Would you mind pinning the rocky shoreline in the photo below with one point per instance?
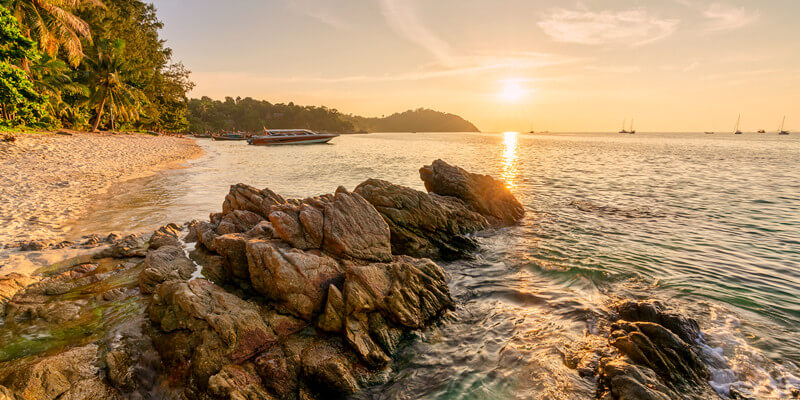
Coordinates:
(277, 298)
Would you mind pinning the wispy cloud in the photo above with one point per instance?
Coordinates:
(634, 27)
(403, 19)
(482, 65)
(320, 12)
(725, 17)
(681, 67)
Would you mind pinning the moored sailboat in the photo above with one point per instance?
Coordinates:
(737, 131)
(782, 131)
(623, 127)
(632, 131)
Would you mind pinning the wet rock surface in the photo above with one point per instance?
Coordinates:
(642, 354)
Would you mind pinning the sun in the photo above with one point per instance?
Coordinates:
(512, 91)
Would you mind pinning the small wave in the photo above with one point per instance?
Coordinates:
(587, 206)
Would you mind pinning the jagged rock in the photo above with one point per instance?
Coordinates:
(206, 327)
(120, 372)
(204, 232)
(237, 382)
(262, 230)
(382, 300)
(166, 235)
(653, 311)
(421, 224)
(72, 374)
(299, 225)
(297, 280)
(332, 318)
(238, 221)
(483, 193)
(654, 361)
(163, 264)
(248, 198)
(129, 246)
(354, 229)
(11, 284)
(232, 247)
(35, 245)
(327, 371)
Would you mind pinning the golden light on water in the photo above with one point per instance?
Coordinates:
(510, 157)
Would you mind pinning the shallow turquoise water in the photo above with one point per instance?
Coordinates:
(709, 224)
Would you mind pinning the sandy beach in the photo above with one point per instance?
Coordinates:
(48, 179)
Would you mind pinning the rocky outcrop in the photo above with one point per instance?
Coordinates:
(421, 224)
(381, 301)
(482, 193)
(238, 221)
(296, 280)
(247, 198)
(644, 355)
(204, 327)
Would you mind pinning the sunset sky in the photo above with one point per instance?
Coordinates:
(673, 65)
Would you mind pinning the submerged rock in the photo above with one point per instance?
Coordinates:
(11, 284)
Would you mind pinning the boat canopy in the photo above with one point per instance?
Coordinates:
(288, 132)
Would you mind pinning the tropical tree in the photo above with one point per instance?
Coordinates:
(53, 25)
(109, 75)
(20, 104)
(53, 77)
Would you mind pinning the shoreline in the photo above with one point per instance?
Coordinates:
(51, 181)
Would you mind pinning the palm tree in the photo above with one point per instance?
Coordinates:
(51, 77)
(51, 23)
(109, 74)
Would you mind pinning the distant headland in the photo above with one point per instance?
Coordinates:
(248, 114)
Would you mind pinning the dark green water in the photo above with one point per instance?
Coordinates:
(708, 224)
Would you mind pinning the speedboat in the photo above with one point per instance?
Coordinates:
(290, 136)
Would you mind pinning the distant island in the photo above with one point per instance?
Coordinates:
(248, 114)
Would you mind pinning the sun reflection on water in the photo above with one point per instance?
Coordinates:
(510, 158)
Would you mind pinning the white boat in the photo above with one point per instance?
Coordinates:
(290, 136)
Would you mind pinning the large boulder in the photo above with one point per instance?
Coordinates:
(381, 301)
(422, 224)
(204, 327)
(483, 193)
(166, 235)
(354, 229)
(296, 280)
(248, 198)
(232, 247)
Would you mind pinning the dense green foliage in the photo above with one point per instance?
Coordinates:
(20, 103)
(104, 65)
(419, 120)
(207, 115)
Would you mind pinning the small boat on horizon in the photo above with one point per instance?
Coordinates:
(762, 131)
(709, 133)
(737, 131)
(782, 131)
(632, 131)
(290, 136)
(623, 130)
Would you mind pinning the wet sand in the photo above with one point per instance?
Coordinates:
(48, 179)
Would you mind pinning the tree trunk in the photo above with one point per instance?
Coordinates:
(99, 114)
(113, 128)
